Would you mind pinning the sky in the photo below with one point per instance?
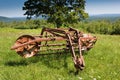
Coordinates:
(102, 7)
(13, 8)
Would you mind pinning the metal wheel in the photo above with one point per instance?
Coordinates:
(27, 50)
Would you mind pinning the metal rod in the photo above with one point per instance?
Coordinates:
(37, 40)
(52, 45)
(55, 30)
(71, 47)
(51, 49)
(56, 34)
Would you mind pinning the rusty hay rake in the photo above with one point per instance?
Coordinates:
(61, 39)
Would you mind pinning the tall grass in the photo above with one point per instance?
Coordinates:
(102, 62)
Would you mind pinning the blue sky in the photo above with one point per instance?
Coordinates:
(13, 8)
(103, 6)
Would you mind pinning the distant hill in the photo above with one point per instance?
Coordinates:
(7, 19)
(4, 18)
(111, 17)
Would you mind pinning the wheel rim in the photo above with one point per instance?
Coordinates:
(27, 50)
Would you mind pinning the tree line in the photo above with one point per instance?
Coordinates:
(99, 26)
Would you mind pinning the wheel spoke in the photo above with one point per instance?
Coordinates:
(28, 50)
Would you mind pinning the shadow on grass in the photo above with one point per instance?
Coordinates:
(54, 60)
(16, 63)
(51, 60)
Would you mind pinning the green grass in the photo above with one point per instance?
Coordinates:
(102, 61)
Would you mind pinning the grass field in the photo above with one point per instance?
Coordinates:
(102, 62)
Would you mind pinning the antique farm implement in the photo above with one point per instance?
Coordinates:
(59, 39)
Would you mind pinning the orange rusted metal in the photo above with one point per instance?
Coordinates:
(28, 46)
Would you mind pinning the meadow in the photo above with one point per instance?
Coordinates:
(102, 61)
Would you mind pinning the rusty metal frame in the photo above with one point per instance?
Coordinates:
(74, 39)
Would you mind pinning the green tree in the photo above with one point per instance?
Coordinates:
(56, 11)
(116, 27)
